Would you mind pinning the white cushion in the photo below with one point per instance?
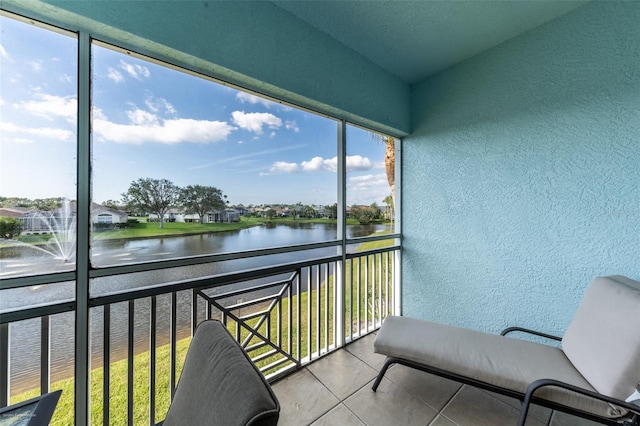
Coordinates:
(603, 340)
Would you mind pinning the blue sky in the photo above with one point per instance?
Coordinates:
(150, 121)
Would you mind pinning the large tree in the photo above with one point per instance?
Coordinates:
(201, 199)
(152, 195)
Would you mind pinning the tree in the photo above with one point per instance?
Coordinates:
(388, 200)
(111, 204)
(201, 199)
(309, 212)
(10, 227)
(365, 215)
(271, 213)
(333, 211)
(389, 160)
(152, 195)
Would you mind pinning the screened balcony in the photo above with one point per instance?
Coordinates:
(516, 181)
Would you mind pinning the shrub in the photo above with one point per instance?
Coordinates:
(10, 227)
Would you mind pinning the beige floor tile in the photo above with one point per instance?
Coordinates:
(473, 407)
(363, 349)
(303, 399)
(341, 416)
(564, 419)
(342, 373)
(442, 421)
(390, 405)
(537, 412)
(435, 391)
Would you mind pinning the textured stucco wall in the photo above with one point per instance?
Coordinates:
(521, 178)
(254, 44)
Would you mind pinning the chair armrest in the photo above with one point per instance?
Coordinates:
(534, 386)
(526, 330)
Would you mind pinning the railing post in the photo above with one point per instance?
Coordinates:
(5, 344)
(340, 277)
(45, 354)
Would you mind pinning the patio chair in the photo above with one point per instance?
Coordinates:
(219, 384)
(596, 368)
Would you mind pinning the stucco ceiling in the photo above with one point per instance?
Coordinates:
(415, 39)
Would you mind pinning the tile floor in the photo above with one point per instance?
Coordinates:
(336, 390)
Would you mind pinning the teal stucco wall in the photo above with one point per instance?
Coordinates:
(521, 178)
(253, 44)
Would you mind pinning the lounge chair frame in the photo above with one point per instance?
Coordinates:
(528, 397)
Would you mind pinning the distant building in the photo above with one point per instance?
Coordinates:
(14, 211)
(45, 222)
(102, 214)
(174, 215)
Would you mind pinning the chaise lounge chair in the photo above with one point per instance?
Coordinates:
(219, 384)
(596, 368)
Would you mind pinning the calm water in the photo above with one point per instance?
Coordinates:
(25, 336)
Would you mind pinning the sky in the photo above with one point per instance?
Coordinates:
(151, 121)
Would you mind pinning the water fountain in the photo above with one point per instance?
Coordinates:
(60, 227)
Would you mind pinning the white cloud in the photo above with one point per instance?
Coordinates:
(115, 75)
(316, 163)
(158, 104)
(291, 125)
(373, 183)
(249, 98)
(146, 127)
(4, 53)
(134, 70)
(255, 121)
(357, 162)
(366, 189)
(66, 78)
(140, 117)
(42, 132)
(251, 154)
(51, 106)
(283, 166)
(354, 163)
(36, 65)
(368, 180)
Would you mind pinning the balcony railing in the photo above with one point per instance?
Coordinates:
(285, 316)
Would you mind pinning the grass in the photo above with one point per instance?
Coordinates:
(145, 229)
(152, 229)
(355, 288)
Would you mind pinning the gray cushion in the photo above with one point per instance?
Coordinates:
(603, 340)
(219, 385)
(497, 360)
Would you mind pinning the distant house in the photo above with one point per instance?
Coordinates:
(102, 214)
(192, 218)
(241, 209)
(228, 215)
(47, 222)
(14, 211)
(172, 215)
(282, 212)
